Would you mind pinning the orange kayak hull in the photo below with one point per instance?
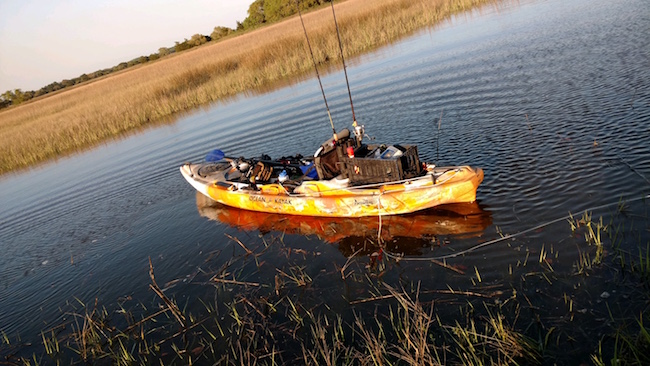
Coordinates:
(328, 199)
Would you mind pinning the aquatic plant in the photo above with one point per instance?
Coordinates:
(248, 311)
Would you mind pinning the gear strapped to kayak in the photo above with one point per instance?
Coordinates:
(344, 178)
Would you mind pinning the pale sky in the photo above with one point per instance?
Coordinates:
(42, 41)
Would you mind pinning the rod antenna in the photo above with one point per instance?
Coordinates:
(338, 34)
(317, 74)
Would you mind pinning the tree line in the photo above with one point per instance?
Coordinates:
(260, 12)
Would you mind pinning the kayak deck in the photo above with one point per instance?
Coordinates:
(336, 197)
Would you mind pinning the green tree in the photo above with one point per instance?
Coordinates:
(178, 47)
(120, 66)
(197, 40)
(266, 11)
(163, 51)
(4, 103)
(275, 10)
(15, 97)
(18, 97)
(28, 95)
(220, 32)
(9, 95)
(56, 86)
(255, 15)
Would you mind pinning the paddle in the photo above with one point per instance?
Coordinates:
(217, 155)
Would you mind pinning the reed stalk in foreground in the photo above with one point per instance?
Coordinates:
(144, 95)
(245, 316)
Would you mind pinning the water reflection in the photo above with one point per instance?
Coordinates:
(406, 234)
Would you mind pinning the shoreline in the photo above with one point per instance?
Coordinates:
(102, 110)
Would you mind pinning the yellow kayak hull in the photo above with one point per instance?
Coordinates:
(329, 199)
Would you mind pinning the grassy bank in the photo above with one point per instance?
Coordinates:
(68, 121)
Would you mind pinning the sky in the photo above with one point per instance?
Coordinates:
(42, 41)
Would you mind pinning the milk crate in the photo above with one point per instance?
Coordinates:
(365, 168)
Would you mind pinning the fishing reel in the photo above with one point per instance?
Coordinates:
(240, 164)
(359, 131)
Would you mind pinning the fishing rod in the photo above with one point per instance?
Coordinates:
(438, 137)
(317, 74)
(338, 34)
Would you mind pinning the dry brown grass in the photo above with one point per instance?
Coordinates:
(109, 107)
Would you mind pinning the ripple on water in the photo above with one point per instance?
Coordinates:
(554, 108)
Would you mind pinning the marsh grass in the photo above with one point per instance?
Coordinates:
(632, 346)
(248, 310)
(593, 232)
(148, 94)
(254, 325)
(496, 343)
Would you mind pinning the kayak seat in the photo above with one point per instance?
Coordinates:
(326, 158)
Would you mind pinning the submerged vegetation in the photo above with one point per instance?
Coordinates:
(146, 94)
(240, 309)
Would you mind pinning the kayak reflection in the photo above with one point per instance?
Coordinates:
(406, 234)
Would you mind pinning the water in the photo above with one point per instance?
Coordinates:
(550, 98)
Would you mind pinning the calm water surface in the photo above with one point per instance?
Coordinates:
(550, 98)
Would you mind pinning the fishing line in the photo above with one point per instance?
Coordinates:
(510, 236)
(633, 169)
(338, 34)
(317, 74)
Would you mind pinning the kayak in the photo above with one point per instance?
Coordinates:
(345, 178)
